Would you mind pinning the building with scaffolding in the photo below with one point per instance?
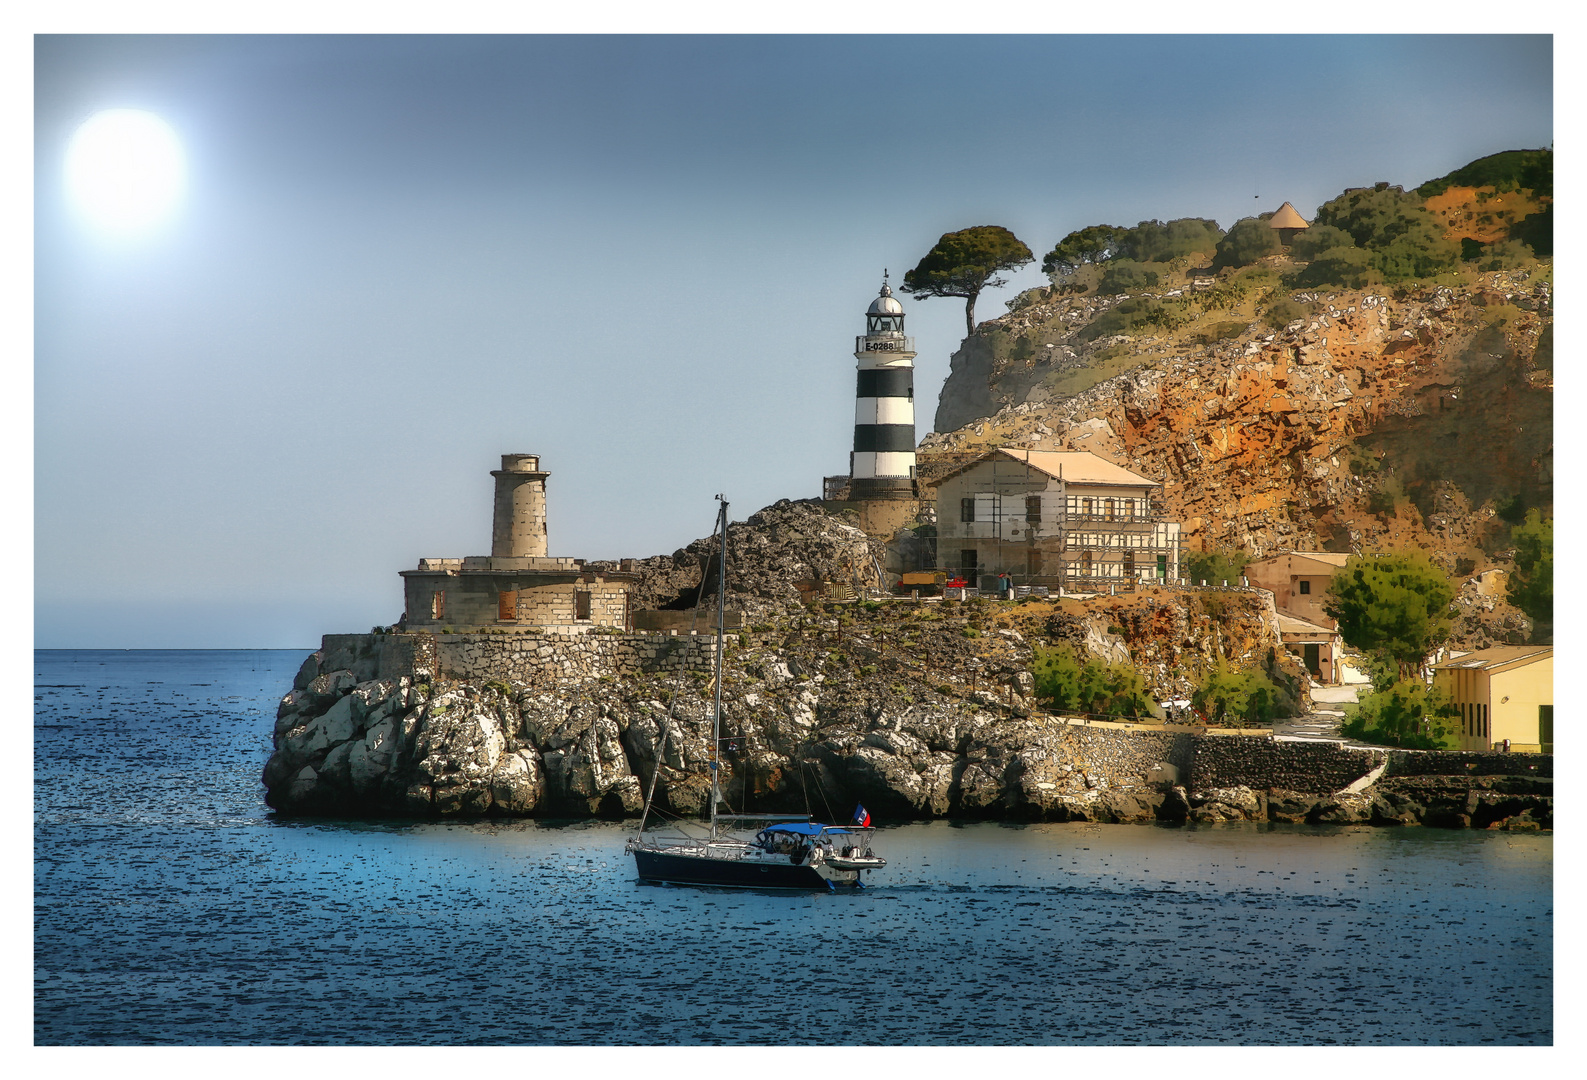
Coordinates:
(1064, 519)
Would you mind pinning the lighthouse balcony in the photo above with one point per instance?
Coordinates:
(884, 343)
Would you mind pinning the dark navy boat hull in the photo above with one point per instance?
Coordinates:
(733, 873)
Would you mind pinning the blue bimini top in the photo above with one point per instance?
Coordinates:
(799, 828)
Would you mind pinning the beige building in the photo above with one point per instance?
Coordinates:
(1298, 581)
(1068, 519)
(516, 587)
(1504, 692)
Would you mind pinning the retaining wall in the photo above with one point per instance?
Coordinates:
(527, 658)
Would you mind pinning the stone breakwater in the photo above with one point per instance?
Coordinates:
(474, 725)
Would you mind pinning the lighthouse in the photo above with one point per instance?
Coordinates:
(882, 465)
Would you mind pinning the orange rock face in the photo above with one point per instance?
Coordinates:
(1384, 420)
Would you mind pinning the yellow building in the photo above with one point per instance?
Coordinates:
(1506, 692)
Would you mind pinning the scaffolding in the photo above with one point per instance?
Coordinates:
(1082, 537)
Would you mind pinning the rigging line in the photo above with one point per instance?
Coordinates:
(672, 701)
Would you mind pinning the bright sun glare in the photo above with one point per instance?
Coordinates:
(125, 170)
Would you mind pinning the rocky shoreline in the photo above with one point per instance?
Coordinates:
(421, 746)
(919, 710)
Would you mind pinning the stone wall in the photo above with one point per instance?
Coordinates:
(526, 658)
(1226, 762)
(1128, 756)
(1467, 763)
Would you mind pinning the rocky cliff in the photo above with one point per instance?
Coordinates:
(916, 709)
(1381, 420)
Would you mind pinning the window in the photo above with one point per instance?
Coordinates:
(968, 562)
(1085, 563)
(1033, 509)
(507, 604)
(1033, 562)
(438, 604)
(581, 605)
(1305, 587)
(1129, 563)
(967, 509)
(1162, 568)
(1085, 507)
(1109, 504)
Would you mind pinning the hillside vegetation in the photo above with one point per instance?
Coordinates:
(1384, 382)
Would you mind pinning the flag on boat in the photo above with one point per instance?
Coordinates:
(862, 816)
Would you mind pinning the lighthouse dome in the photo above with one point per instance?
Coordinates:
(885, 304)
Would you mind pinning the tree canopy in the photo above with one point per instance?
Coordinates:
(1507, 171)
(1160, 241)
(1401, 236)
(1248, 240)
(965, 262)
(1396, 605)
(1531, 585)
(1092, 244)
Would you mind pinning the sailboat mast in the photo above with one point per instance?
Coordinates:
(716, 717)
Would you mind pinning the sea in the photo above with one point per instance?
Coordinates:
(173, 907)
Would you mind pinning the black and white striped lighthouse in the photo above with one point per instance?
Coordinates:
(882, 465)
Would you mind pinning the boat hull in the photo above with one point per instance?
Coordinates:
(734, 873)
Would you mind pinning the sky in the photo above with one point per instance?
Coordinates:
(644, 258)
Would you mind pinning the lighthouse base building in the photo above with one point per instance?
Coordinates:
(517, 587)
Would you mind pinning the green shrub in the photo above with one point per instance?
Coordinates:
(1318, 239)
(1066, 684)
(1284, 311)
(1223, 330)
(1505, 255)
(1215, 567)
(1248, 240)
(1402, 238)
(1406, 714)
(1126, 275)
(1233, 698)
(1347, 267)
(1133, 315)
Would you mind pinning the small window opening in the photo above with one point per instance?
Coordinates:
(581, 605)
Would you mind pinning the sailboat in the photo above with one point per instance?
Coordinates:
(789, 852)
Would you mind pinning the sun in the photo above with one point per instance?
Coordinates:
(125, 170)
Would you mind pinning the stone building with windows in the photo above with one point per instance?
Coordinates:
(517, 587)
(1066, 519)
(1298, 581)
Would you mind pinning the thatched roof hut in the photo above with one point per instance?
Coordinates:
(1288, 222)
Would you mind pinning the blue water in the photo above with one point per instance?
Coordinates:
(172, 907)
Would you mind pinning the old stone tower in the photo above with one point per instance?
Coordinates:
(517, 587)
(519, 526)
